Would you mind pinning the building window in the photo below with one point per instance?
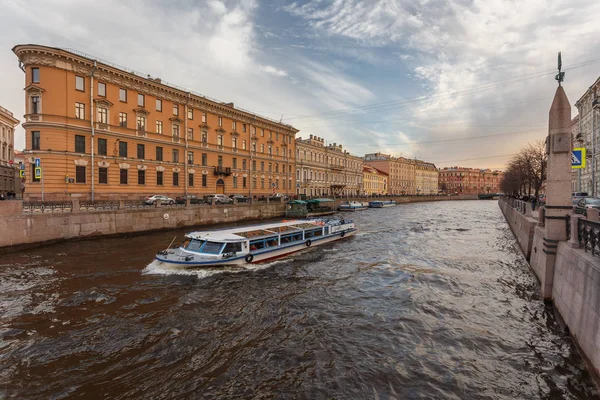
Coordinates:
(101, 89)
(234, 163)
(123, 119)
(244, 164)
(204, 183)
(158, 105)
(262, 148)
(175, 178)
(235, 182)
(220, 121)
(270, 135)
(35, 104)
(262, 132)
(175, 109)
(243, 127)
(141, 151)
(35, 75)
(123, 95)
(159, 153)
(262, 166)
(122, 149)
(234, 142)
(159, 178)
(204, 159)
(270, 167)
(141, 177)
(141, 100)
(103, 175)
(79, 144)
(219, 140)
(190, 135)
(141, 123)
(253, 183)
(175, 156)
(159, 127)
(102, 148)
(234, 125)
(79, 174)
(175, 130)
(190, 180)
(203, 117)
(244, 182)
(190, 113)
(253, 165)
(270, 150)
(254, 147)
(204, 137)
(190, 157)
(79, 110)
(244, 145)
(262, 183)
(35, 140)
(80, 83)
(102, 115)
(220, 161)
(123, 177)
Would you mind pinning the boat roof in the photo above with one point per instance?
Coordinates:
(237, 234)
(296, 202)
(323, 200)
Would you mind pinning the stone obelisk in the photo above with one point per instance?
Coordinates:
(558, 181)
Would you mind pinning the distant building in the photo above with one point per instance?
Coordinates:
(463, 180)
(104, 132)
(406, 176)
(588, 136)
(374, 181)
(326, 170)
(8, 173)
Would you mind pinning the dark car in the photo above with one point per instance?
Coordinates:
(584, 204)
(193, 199)
(239, 198)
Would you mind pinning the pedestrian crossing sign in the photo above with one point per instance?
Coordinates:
(22, 173)
(578, 158)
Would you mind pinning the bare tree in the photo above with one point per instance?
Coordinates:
(526, 171)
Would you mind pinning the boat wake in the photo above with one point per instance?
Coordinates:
(158, 268)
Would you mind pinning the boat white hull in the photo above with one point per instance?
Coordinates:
(258, 256)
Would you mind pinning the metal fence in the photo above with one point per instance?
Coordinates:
(588, 233)
(47, 206)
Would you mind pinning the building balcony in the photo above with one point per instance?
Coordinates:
(220, 170)
(336, 167)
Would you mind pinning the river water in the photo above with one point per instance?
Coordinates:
(429, 300)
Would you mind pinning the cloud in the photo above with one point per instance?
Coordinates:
(272, 70)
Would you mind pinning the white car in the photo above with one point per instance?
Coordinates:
(219, 199)
(163, 199)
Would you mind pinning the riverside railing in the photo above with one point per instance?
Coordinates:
(588, 233)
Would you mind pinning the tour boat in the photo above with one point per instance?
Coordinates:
(256, 243)
(382, 203)
(352, 206)
(310, 208)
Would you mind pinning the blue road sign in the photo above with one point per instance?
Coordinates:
(578, 158)
(37, 162)
(22, 167)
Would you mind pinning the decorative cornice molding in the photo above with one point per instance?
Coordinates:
(80, 163)
(124, 166)
(103, 164)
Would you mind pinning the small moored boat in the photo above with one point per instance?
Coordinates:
(382, 203)
(310, 208)
(238, 246)
(352, 206)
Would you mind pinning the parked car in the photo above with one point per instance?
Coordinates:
(239, 198)
(285, 197)
(193, 199)
(578, 196)
(156, 197)
(219, 199)
(586, 203)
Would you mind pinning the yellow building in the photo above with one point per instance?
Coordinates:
(8, 179)
(426, 177)
(375, 182)
(102, 132)
(326, 170)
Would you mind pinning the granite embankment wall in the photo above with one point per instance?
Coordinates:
(18, 229)
(573, 284)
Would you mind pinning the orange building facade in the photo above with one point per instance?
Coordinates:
(101, 132)
(469, 180)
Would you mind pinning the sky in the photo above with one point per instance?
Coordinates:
(453, 82)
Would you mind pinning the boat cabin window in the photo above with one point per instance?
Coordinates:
(212, 248)
(195, 245)
(232, 247)
(327, 230)
(185, 243)
(257, 244)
